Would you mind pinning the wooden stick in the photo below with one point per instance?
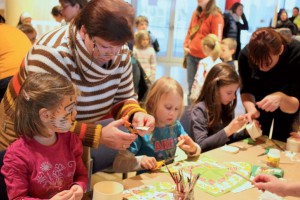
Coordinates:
(244, 177)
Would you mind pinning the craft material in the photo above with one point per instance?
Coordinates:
(253, 130)
(180, 142)
(184, 185)
(230, 149)
(244, 177)
(273, 158)
(133, 130)
(271, 130)
(293, 144)
(276, 145)
(265, 153)
(256, 170)
(159, 164)
(142, 128)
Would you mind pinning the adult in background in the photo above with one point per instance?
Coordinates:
(70, 8)
(284, 22)
(238, 14)
(57, 15)
(269, 70)
(295, 14)
(14, 46)
(29, 31)
(91, 53)
(206, 19)
(25, 18)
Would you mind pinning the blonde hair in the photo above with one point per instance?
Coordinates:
(210, 41)
(162, 86)
(230, 43)
(40, 90)
(139, 36)
(139, 19)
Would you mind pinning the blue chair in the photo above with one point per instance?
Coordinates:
(185, 119)
(3, 192)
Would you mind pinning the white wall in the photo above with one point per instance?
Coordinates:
(40, 11)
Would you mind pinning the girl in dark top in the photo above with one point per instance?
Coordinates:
(269, 70)
(212, 118)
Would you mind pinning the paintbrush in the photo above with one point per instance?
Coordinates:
(244, 177)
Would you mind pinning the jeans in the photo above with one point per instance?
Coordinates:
(192, 64)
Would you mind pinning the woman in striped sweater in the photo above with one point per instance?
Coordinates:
(90, 52)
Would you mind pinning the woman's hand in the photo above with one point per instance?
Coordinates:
(270, 183)
(148, 162)
(143, 119)
(253, 114)
(271, 102)
(114, 138)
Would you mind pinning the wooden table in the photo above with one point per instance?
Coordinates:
(247, 153)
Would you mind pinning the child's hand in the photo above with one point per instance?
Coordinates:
(188, 145)
(236, 124)
(77, 191)
(64, 195)
(295, 134)
(254, 114)
(148, 162)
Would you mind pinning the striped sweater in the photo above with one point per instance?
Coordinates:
(104, 89)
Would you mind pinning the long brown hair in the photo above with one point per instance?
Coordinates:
(211, 8)
(111, 20)
(40, 90)
(220, 75)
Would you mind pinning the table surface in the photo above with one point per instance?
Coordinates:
(247, 153)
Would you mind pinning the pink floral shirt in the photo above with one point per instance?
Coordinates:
(35, 171)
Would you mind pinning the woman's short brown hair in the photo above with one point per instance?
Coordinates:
(111, 20)
(40, 90)
(264, 43)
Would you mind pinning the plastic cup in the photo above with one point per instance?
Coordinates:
(273, 158)
(108, 190)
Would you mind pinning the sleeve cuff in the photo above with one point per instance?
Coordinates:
(197, 153)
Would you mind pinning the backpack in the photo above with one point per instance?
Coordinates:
(230, 27)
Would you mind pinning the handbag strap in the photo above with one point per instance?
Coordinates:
(195, 29)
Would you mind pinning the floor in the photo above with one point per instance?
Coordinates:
(178, 73)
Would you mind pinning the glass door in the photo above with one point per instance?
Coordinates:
(168, 22)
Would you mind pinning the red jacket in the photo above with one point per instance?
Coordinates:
(213, 24)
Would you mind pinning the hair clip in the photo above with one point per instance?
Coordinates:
(26, 96)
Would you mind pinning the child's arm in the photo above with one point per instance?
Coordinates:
(191, 148)
(125, 161)
(80, 176)
(15, 170)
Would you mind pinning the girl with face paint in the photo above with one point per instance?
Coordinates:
(45, 162)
